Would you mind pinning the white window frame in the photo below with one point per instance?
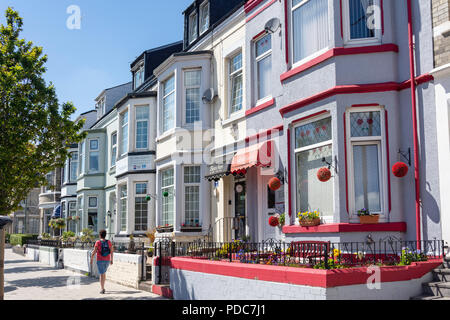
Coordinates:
(123, 128)
(81, 157)
(162, 128)
(232, 75)
(89, 202)
(144, 197)
(163, 188)
(139, 74)
(203, 7)
(80, 207)
(382, 160)
(258, 59)
(291, 37)
(98, 154)
(185, 88)
(346, 27)
(114, 146)
(136, 126)
(327, 219)
(192, 184)
(193, 18)
(71, 162)
(123, 218)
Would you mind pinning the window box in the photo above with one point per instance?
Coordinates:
(373, 219)
(164, 229)
(191, 229)
(310, 223)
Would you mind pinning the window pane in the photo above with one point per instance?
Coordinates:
(142, 134)
(310, 28)
(361, 19)
(264, 76)
(365, 124)
(263, 45)
(192, 78)
(141, 188)
(93, 144)
(141, 113)
(169, 86)
(204, 18)
(141, 214)
(236, 63)
(123, 208)
(192, 105)
(236, 94)
(366, 172)
(168, 112)
(167, 177)
(73, 167)
(93, 161)
(192, 205)
(192, 175)
(313, 133)
(92, 202)
(167, 181)
(313, 194)
(192, 27)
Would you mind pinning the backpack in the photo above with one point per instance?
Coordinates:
(105, 251)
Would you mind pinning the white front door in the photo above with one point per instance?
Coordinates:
(267, 208)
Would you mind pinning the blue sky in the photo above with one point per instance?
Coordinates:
(81, 63)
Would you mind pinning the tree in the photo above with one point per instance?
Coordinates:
(36, 131)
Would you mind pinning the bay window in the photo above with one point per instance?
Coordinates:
(263, 54)
(192, 180)
(167, 186)
(236, 83)
(313, 143)
(142, 117)
(168, 104)
(309, 27)
(123, 207)
(366, 160)
(93, 156)
(192, 83)
(140, 207)
(124, 133)
(362, 20)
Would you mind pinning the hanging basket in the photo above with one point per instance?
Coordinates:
(400, 169)
(274, 184)
(274, 221)
(324, 174)
(310, 222)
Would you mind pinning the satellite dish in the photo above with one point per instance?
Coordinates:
(208, 96)
(272, 25)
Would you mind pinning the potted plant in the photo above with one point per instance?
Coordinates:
(165, 228)
(309, 219)
(365, 217)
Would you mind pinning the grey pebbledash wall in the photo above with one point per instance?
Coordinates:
(190, 285)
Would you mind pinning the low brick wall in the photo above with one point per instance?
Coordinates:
(32, 252)
(126, 268)
(201, 279)
(48, 256)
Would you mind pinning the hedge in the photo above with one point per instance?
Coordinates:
(7, 237)
(21, 239)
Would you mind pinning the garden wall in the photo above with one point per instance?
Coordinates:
(32, 252)
(126, 268)
(201, 279)
(48, 256)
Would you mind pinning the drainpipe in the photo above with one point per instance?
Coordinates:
(414, 120)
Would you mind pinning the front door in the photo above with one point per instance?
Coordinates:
(239, 210)
(267, 198)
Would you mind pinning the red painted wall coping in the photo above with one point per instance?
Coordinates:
(305, 276)
(347, 227)
(252, 4)
(335, 52)
(260, 107)
(162, 291)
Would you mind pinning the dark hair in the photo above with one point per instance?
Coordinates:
(102, 234)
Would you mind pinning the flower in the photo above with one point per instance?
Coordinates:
(274, 221)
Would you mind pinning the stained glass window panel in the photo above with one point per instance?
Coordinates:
(365, 124)
(313, 133)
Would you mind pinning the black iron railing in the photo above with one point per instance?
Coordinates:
(316, 254)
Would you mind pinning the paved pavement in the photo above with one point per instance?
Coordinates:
(30, 280)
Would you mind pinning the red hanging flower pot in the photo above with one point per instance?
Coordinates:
(274, 221)
(400, 169)
(324, 174)
(274, 184)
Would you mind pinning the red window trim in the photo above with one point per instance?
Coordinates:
(388, 159)
(252, 4)
(335, 52)
(267, 133)
(354, 89)
(289, 171)
(346, 164)
(310, 116)
(259, 35)
(286, 30)
(260, 107)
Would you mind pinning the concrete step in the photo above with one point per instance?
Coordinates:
(442, 275)
(438, 289)
(145, 286)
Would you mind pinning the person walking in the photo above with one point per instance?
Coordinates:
(105, 253)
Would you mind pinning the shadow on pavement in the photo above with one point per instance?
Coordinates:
(22, 269)
(17, 261)
(9, 289)
(49, 282)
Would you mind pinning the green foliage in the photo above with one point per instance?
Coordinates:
(57, 223)
(46, 236)
(36, 130)
(407, 257)
(87, 235)
(21, 239)
(67, 235)
(7, 235)
(282, 219)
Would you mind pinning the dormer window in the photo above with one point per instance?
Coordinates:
(193, 31)
(204, 17)
(138, 77)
